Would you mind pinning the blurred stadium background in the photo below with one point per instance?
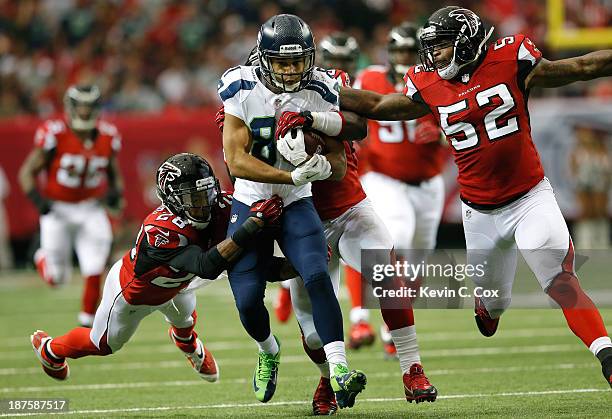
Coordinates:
(158, 63)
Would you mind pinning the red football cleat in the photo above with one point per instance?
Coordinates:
(324, 400)
(417, 387)
(53, 368)
(282, 305)
(361, 334)
(200, 359)
(41, 267)
(485, 323)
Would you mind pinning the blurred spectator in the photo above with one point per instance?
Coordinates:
(182, 47)
(591, 170)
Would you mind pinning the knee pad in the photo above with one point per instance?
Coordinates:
(312, 339)
(317, 278)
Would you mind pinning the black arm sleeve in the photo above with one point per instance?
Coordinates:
(206, 265)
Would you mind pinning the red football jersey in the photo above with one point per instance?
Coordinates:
(485, 118)
(394, 148)
(77, 170)
(146, 280)
(334, 198)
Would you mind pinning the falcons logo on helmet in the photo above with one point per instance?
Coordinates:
(469, 18)
(167, 173)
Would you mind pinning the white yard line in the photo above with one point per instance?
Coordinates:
(115, 386)
(303, 402)
(297, 359)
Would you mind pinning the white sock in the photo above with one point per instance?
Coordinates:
(269, 346)
(407, 347)
(599, 344)
(335, 354)
(359, 314)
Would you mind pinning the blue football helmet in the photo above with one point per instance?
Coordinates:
(286, 41)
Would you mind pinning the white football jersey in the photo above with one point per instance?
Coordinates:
(245, 96)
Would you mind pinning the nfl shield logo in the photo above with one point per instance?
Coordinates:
(234, 218)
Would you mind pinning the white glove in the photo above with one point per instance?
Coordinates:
(317, 168)
(292, 147)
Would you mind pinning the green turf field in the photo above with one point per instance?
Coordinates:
(533, 367)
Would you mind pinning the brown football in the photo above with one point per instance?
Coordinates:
(314, 143)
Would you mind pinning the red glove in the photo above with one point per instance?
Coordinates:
(220, 118)
(426, 132)
(290, 120)
(268, 210)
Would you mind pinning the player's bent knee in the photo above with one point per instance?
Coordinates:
(565, 290)
(313, 341)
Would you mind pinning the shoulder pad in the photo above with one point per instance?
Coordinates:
(45, 136)
(236, 79)
(163, 238)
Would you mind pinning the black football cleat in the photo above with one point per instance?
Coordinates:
(485, 323)
(605, 357)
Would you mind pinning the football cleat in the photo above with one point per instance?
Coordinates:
(266, 374)
(417, 386)
(389, 351)
(324, 400)
(282, 305)
(41, 267)
(485, 323)
(57, 369)
(361, 334)
(201, 360)
(605, 357)
(347, 385)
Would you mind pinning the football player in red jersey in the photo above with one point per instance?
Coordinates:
(79, 156)
(477, 91)
(182, 238)
(402, 160)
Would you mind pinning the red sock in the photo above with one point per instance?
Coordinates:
(353, 284)
(396, 318)
(581, 315)
(91, 294)
(186, 336)
(77, 344)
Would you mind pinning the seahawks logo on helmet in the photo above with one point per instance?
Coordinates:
(469, 18)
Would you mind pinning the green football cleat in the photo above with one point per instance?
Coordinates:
(347, 385)
(266, 373)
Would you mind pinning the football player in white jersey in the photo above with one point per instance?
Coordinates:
(254, 97)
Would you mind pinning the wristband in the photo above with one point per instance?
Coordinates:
(246, 234)
(329, 123)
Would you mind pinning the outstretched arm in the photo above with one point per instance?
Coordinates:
(391, 107)
(561, 72)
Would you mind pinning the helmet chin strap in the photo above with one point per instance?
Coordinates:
(451, 70)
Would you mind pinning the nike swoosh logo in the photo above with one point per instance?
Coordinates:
(290, 148)
(310, 177)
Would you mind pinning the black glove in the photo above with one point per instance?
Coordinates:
(42, 204)
(113, 199)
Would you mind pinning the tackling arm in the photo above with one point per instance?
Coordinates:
(236, 145)
(390, 107)
(561, 72)
(209, 264)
